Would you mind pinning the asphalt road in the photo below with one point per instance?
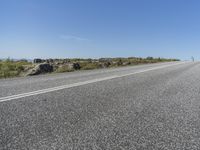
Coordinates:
(153, 107)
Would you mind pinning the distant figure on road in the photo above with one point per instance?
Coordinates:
(192, 58)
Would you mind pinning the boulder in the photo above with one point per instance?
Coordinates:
(74, 66)
(38, 60)
(105, 65)
(126, 63)
(49, 61)
(40, 68)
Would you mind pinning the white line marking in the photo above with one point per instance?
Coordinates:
(8, 98)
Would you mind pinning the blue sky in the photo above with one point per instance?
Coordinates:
(99, 28)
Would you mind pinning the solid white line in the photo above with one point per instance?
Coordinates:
(8, 98)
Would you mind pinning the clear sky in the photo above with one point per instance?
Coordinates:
(99, 28)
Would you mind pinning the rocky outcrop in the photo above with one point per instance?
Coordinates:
(49, 61)
(74, 66)
(105, 65)
(40, 68)
(38, 60)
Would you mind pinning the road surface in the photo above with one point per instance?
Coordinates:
(153, 107)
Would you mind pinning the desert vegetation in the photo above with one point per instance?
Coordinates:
(15, 68)
(11, 68)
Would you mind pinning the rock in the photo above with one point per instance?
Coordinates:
(49, 61)
(40, 68)
(38, 60)
(74, 66)
(119, 63)
(105, 65)
(126, 63)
